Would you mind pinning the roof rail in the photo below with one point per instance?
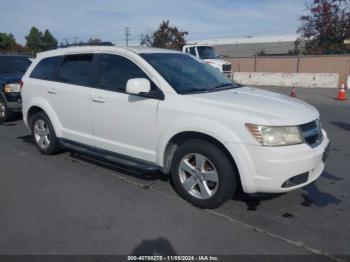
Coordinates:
(81, 44)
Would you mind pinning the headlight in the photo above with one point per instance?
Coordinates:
(276, 135)
(12, 88)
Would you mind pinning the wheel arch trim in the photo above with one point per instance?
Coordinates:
(46, 108)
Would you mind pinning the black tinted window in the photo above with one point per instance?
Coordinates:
(76, 69)
(192, 51)
(187, 74)
(115, 71)
(46, 68)
(11, 64)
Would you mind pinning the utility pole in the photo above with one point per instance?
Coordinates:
(127, 34)
(66, 40)
(75, 40)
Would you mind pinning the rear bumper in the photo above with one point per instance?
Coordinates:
(278, 169)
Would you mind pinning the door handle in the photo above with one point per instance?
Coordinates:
(52, 91)
(98, 100)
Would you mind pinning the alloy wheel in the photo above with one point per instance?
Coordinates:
(198, 176)
(42, 134)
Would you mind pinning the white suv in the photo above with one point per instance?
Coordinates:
(155, 109)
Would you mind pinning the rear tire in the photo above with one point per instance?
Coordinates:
(202, 174)
(6, 113)
(44, 135)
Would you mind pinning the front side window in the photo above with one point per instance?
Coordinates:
(76, 69)
(46, 68)
(115, 71)
(187, 74)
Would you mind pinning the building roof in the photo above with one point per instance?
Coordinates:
(250, 46)
(246, 40)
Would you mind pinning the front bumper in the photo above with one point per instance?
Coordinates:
(228, 74)
(268, 169)
(13, 101)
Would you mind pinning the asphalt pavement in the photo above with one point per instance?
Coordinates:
(70, 204)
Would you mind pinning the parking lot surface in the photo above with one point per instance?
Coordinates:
(70, 204)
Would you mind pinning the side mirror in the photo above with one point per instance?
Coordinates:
(137, 86)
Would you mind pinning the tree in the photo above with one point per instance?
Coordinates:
(34, 39)
(166, 36)
(38, 41)
(7, 42)
(261, 53)
(48, 40)
(326, 27)
(94, 41)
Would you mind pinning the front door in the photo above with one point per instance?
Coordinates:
(122, 123)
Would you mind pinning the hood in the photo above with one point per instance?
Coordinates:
(8, 78)
(257, 106)
(219, 62)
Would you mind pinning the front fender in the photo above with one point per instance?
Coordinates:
(194, 124)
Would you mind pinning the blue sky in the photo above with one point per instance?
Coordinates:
(106, 19)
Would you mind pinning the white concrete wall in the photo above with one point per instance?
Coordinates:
(307, 80)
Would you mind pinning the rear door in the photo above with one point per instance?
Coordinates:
(70, 94)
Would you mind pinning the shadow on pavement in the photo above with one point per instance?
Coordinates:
(27, 139)
(159, 246)
(254, 200)
(331, 177)
(316, 197)
(342, 125)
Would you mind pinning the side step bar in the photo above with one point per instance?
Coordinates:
(111, 157)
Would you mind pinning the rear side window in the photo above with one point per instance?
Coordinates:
(46, 68)
(115, 71)
(76, 69)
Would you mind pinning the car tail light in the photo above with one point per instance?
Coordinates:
(21, 84)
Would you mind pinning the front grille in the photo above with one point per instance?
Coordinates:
(226, 68)
(312, 133)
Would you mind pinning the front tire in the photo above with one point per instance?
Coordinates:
(44, 135)
(202, 174)
(5, 113)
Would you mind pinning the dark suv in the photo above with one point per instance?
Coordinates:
(12, 68)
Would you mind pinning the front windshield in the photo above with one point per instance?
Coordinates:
(14, 64)
(206, 52)
(187, 74)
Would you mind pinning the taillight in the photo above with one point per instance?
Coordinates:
(21, 84)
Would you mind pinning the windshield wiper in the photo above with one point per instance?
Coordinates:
(224, 86)
(208, 90)
(227, 86)
(195, 90)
